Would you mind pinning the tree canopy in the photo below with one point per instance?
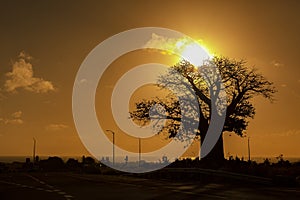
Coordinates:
(240, 82)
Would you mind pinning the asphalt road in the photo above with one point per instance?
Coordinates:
(69, 186)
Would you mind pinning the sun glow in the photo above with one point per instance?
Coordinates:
(185, 48)
(193, 51)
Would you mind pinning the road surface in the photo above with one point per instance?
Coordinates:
(68, 186)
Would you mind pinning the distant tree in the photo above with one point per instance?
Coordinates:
(89, 160)
(267, 162)
(282, 162)
(241, 84)
(52, 164)
(72, 164)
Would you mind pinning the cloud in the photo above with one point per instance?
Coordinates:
(161, 42)
(17, 114)
(283, 85)
(56, 127)
(24, 55)
(291, 132)
(22, 76)
(277, 64)
(14, 119)
(184, 47)
(286, 133)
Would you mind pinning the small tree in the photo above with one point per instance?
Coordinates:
(241, 84)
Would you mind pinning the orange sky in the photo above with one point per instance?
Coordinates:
(55, 37)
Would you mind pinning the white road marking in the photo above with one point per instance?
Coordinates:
(63, 193)
(59, 192)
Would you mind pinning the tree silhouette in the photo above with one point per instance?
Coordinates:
(241, 84)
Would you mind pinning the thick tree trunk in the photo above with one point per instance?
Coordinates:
(216, 155)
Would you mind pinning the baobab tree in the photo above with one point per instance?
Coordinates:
(241, 84)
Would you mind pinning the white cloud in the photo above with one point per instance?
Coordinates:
(291, 132)
(24, 55)
(14, 119)
(22, 76)
(285, 133)
(56, 127)
(184, 47)
(17, 114)
(283, 85)
(277, 64)
(161, 42)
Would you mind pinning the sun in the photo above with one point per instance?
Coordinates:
(193, 51)
(184, 48)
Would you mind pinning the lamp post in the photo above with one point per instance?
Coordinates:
(113, 134)
(249, 158)
(140, 149)
(199, 158)
(34, 146)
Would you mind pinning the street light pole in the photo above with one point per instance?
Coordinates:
(140, 149)
(199, 158)
(34, 146)
(249, 158)
(113, 134)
